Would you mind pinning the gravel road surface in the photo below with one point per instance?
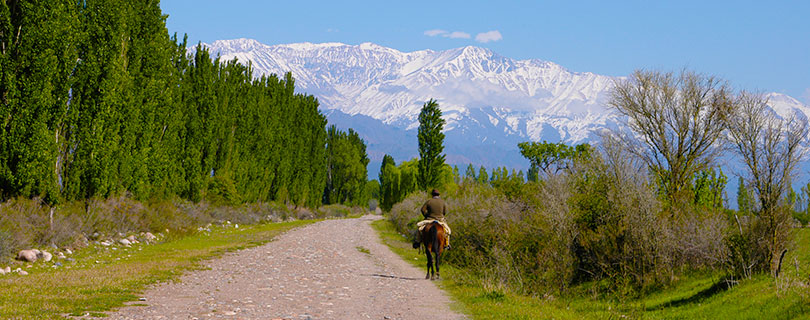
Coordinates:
(333, 269)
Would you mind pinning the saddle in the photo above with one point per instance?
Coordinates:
(422, 224)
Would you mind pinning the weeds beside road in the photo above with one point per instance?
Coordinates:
(102, 279)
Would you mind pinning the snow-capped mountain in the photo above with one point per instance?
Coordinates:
(490, 102)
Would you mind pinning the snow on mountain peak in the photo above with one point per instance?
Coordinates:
(486, 98)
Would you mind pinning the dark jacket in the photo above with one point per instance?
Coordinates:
(434, 209)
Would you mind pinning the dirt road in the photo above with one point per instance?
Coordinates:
(334, 269)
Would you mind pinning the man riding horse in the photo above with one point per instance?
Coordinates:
(433, 210)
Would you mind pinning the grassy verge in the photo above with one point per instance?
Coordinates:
(696, 296)
(103, 278)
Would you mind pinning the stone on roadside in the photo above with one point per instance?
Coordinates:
(60, 255)
(124, 242)
(68, 251)
(132, 239)
(23, 273)
(46, 256)
(27, 255)
(149, 236)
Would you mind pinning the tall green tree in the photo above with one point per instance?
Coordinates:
(431, 145)
(346, 167)
(38, 55)
(389, 182)
(469, 174)
(483, 177)
(709, 188)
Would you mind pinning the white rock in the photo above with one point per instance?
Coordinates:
(23, 273)
(7, 269)
(149, 236)
(68, 251)
(2, 271)
(106, 243)
(60, 255)
(132, 239)
(46, 256)
(27, 255)
(124, 242)
(236, 226)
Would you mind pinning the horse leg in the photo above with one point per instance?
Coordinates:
(429, 263)
(438, 260)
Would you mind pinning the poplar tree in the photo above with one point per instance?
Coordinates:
(483, 177)
(431, 145)
(469, 174)
(37, 58)
(388, 182)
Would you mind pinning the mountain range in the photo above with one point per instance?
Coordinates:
(490, 102)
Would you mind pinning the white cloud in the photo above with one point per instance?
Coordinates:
(435, 32)
(332, 30)
(457, 35)
(488, 36)
(447, 34)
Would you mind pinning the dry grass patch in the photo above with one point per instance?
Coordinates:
(102, 279)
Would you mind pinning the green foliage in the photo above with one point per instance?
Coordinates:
(431, 145)
(96, 100)
(483, 177)
(695, 295)
(346, 168)
(709, 188)
(222, 190)
(552, 157)
(469, 174)
(396, 182)
(745, 198)
(38, 55)
(802, 208)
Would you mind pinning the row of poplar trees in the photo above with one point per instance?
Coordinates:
(97, 99)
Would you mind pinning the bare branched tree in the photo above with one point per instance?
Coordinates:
(771, 148)
(677, 119)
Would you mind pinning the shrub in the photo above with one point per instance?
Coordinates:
(26, 223)
(598, 219)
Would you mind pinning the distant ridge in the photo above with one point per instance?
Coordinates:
(490, 102)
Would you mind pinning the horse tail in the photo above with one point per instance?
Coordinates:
(434, 234)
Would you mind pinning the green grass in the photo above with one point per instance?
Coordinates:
(695, 296)
(103, 279)
(363, 250)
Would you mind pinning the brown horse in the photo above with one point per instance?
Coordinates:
(432, 238)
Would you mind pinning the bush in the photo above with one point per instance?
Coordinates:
(802, 218)
(27, 223)
(600, 219)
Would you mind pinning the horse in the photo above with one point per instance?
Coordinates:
(432, 238)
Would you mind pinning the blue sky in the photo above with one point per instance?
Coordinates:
(756, 45)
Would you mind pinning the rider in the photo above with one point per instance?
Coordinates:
(434, 210)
